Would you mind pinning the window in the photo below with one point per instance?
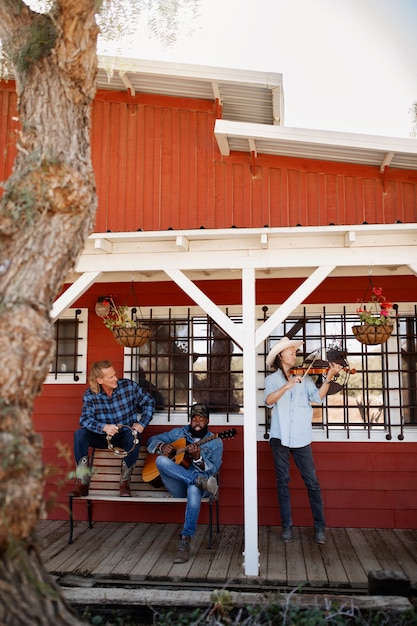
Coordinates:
(379, 394)
(70, 357)
(189, 359)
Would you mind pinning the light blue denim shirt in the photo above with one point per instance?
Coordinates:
(291, 416)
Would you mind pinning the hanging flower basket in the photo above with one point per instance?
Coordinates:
(372, 334)
(132, 337)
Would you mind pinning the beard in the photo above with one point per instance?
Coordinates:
(199, 434)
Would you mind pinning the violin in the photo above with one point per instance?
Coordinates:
(300, 371)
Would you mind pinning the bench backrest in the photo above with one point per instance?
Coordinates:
(107, 469)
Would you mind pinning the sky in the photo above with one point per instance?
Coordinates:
(347, 65)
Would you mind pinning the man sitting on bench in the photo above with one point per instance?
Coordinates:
(107, 404)
(194, 477)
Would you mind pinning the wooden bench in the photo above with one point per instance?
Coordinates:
(104, 487)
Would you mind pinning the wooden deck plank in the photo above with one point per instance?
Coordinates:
(63, 562)
(51, 544)
(202, 556)
(403, 552)
(296, 570)
(137, 543)
(220, 563)
(276, 573)
(356, 574)
(235, 572)
(363, 550)
(336, 573)
(48, 533)
(97, 549)
(386, 557)
(263, 546)
(315, 569)
(163, 534)
(116, 546)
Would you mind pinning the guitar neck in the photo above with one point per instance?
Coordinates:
(200, 443)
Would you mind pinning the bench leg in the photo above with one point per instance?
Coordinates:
(71, 520)
(210, 540)
(90, 513)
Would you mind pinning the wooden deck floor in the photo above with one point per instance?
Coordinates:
(139, 553)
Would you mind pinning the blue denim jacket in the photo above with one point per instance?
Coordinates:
(212, 451)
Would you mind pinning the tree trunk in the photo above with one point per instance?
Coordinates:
(46, 213)
(28, 595)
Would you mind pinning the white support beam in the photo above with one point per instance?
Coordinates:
(104, 245)
(73, 292)
(127, 82)
(413, 267)
(187, 285)
(251, 555)
(295, 299)
(387, 160)
(350, 238)
(182, 242)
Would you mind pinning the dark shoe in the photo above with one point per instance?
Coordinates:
(80, 489)
(320, 536)
(125, 489)
(183, 552)
(286, 536)
(207, 484)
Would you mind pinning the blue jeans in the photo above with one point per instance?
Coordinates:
(303, 458)
(84, 438)
(180, 483)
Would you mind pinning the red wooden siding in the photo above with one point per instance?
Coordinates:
(157, 166)
(363, 485)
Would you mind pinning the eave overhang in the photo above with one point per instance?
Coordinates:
(313, 144)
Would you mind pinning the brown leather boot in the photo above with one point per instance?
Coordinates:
(80, 489)
(125, 480)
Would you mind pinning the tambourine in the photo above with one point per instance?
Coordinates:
(120, 451)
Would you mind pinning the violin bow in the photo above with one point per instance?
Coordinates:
(311, 364)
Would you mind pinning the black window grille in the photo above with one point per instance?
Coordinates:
(189, 359)
(67, 341)
(381, 393)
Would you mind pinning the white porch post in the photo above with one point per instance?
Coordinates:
(250, 459)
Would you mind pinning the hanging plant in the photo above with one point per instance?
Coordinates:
(127, 331)
(377, 319)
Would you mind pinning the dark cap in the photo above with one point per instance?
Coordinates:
(199, 409)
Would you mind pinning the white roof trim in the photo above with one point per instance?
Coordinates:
(315, 144)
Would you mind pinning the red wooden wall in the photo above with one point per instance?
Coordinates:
(157, 166)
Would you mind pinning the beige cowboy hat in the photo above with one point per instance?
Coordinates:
(281, 345)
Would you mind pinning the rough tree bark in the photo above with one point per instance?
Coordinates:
(46, 213)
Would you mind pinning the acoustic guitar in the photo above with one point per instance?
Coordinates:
(150, 471)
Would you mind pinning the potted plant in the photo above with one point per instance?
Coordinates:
(127, 330)
(377, 319)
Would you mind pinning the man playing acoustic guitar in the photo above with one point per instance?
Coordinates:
(195, 476)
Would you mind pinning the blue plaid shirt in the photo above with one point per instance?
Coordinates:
(122, 407)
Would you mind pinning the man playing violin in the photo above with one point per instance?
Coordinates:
(289, 398)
